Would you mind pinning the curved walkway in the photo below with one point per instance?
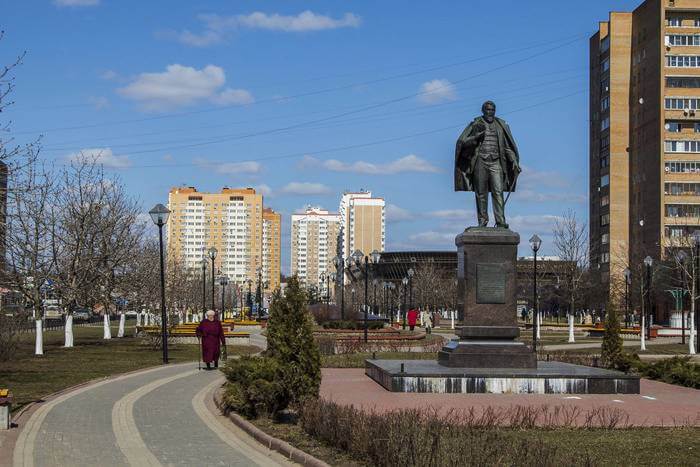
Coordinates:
(160, 416)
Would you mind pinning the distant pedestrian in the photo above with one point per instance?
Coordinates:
(412, 317)
(427, 321)
(212, 335)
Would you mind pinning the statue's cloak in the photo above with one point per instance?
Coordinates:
(466, 156)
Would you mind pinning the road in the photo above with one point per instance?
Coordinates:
(161, 416)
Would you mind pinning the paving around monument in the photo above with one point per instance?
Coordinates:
(457, 309)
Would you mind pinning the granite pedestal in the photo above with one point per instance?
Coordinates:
(427, 376)
(486, 290)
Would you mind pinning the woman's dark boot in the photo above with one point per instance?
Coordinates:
(208, 366)
(216, 364)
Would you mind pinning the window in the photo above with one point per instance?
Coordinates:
(687, 82)
(605, 65)
(696, 23)
(682, 146)
(682, 61)
(604, 200)
(605, 258)
(605, 85)
(605, 239)
(605, 104)
(683, 210)
(605, 142)
(682, 103)
(674, 22)
(683, 39)
(605, 44)
(683, 167)
(604, 219)
(605, 124)
(604, 180)
(682, 189)
(696, 127)
(673, 127)
(604, 161)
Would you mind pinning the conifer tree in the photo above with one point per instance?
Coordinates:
(290, 341)
(612, 355)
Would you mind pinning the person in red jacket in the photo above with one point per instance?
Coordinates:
(212, 334)
(412, 316)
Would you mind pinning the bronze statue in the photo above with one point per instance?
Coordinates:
(487, 161)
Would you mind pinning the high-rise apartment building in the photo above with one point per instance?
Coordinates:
(233, 221)
(644, 134)
(271, 248)
(314, 245)
(362, 225)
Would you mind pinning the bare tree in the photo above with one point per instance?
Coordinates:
(570, 244)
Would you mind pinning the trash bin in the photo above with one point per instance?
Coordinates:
(5, 409)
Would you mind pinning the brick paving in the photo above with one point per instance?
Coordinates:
(167, 409)
(659, 404)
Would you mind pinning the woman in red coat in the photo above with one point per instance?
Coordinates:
(412, 317)
(212, 334)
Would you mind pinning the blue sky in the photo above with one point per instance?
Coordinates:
(304, 100)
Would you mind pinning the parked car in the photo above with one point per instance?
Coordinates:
(81, 313)
(131, 313)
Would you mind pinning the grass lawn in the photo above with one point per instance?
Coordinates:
(31, 377)
(633, 446)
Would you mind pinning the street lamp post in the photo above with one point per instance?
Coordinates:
(628, 281)
(204, 285)
(160, 214)
(223, 280)
(535, 244)
(258, 291)
(340, 266)
(212, 255)
(357, 256)
(681, 256)
(375, 282)
(249, 300)
(411, 272)
(696, 285)
(648, 262)
(404, 281)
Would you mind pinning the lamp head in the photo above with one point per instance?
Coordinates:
(681, 256)
(628, 275)
(535, 243)
(159, 215)
(376, 256)
(212, 252)
(404, 281)
(696, 237)
(411, 272)
(357, 257)
(648, 261)
(337, 261)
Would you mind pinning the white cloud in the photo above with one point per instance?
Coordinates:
(234, 96)
(396, 214)
(100, 102)
(305, 188)
(216, 27)
(304, 21)
(264, 189)
(542, 223)
(536, 179)
(540, 197)
(432, 238)
(452, 214)
(410, 163)
(436, 91)
(103, 156)
(230, 168)
(76, 2)
(180, 86)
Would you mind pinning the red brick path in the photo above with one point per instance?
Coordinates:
(659, 404)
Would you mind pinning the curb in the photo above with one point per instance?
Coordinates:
(275, 444)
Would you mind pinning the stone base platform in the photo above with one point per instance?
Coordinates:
(427, 376)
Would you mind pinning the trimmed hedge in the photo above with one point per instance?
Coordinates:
(352, 325)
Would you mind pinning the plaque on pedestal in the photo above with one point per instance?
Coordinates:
(488, 330)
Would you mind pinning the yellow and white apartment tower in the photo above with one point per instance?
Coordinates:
(234, 221)
(644, 134)
(314, 245)
(362, 224)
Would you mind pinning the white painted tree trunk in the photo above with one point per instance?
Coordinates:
(643, 345)
(453, 319)
(146, 319)
(39, 347)
(68, 331)
(538, 318)
(691, 340)
(138, 319)
(179, 317)
(107, 331)
(571, 328)
(122, 322)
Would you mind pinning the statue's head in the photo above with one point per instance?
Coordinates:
(489, 111)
